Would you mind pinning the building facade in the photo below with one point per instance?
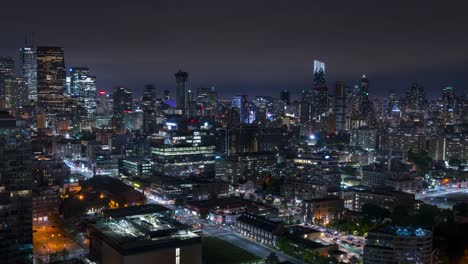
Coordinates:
(398, 245)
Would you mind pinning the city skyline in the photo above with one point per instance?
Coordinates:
(240, 49)
(210, 132)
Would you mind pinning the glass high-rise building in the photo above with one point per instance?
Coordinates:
(320, 90)
(182, 90)
(15, 192)
(7, 73)
(50, 79)
(16, 94)
(83, 86)
(29, 71)
(148, 105)
(122, 104)
(340, 106)
(242, 103)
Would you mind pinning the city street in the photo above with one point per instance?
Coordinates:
(49, 240)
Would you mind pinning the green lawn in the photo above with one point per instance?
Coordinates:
(216, 251)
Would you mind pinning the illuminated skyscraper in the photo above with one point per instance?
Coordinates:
(340, 106)
(122, 105)
(363, 97)
(29, 71)
(182, 90)
(50, 79)
(241, 102)
(16, 94)
(415, 97)
(320, 90)
(206, 100)
(148, 105)
(7, 73)
(83, 86)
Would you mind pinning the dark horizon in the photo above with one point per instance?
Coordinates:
(253, 48)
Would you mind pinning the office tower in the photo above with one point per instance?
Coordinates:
(306, 110)
(50, 79)
(15, 192)
(320, 90)
(241, 102)
(29, 71)
(340, 106)
(449, 104)
(83, 87)
(148, 100)
(448, 98)
(398, 245)
(415, 97)
(67, 88)
(7, 72)
(148, 105)
(122, 105)
(285, 96)
(234, 117)
(207, 99)
(260, 115)
(183, 154)
(181, 91)
(363, 97)
(167, 95)
(16, 94)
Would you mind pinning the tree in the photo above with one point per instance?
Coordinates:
(354, 260)
(455, 162)
(375, 212)
(422, 160)
(272, 259)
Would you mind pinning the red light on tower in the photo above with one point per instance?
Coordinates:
(102, 92)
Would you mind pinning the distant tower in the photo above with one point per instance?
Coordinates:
(340, 106)
(50, 79)
(363, 97)
(181, 91)
(320, 90)
(148, 105)
(7, 73)
(83, 86)
(167, 95)
(285, 96)
(415, 97)
(16, 94)
(29, 71)
(122, 104)
(241, 102)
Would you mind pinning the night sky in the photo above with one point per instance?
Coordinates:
(253, 47)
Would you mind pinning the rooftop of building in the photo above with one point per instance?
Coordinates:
(324, 199)
(220, 203)
(135, 210)
(402, 231)
(258, 222)
(377, 190)
(140, 229)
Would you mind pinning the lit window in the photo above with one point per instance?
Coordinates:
(177, 256)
